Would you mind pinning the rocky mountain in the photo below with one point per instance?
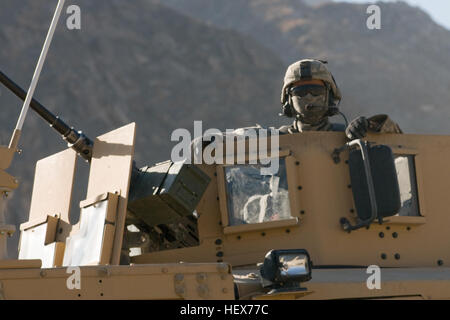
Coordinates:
(131, 61)
(166, 63)
(402, 69)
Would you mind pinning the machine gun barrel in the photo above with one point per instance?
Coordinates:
(75, 139)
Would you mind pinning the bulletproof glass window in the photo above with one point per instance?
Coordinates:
(406, 174)
(256, 198)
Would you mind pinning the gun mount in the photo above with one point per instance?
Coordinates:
(172, 189)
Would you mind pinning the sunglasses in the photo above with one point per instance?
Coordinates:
(313, 89)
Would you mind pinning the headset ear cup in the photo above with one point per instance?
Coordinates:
(287, 110)
(332, 108)
(331, 99)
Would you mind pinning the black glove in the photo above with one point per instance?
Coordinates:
(357, 129)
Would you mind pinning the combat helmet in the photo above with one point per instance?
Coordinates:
(309, 69)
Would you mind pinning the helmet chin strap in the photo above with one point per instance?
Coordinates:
(302, 127)
(300, 119)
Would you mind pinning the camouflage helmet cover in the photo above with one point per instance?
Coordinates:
(317, 71)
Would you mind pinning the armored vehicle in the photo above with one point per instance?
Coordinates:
(335, 220)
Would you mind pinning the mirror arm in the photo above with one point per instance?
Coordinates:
(363, 145)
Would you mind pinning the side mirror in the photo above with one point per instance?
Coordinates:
(374, 182)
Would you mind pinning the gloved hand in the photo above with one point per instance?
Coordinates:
(357, 129)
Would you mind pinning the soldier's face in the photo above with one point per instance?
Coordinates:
(309, 99)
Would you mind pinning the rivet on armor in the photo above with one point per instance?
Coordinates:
(179, 290)
(104, 272)
(201, 277)
(223, 268)
(179, 277)
(203, 291)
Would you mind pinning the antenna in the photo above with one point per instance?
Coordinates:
(16, 135)
(75, 139)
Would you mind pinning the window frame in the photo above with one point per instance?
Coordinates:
(292, 181)
(421, 218)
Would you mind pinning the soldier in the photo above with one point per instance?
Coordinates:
(310, 95)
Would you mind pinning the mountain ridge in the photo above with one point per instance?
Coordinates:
(131, 61)
(375, 69)
(165, 64)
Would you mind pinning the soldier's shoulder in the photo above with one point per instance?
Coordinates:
(286, 129)
(340, 127)
(384, 124)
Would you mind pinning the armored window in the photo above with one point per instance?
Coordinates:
(256, 198)
(406, 175)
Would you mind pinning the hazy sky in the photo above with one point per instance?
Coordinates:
(438, 9)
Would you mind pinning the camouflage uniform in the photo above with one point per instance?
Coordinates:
(380, 123)
(297, 126)
(309, 69)
(383, 124)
